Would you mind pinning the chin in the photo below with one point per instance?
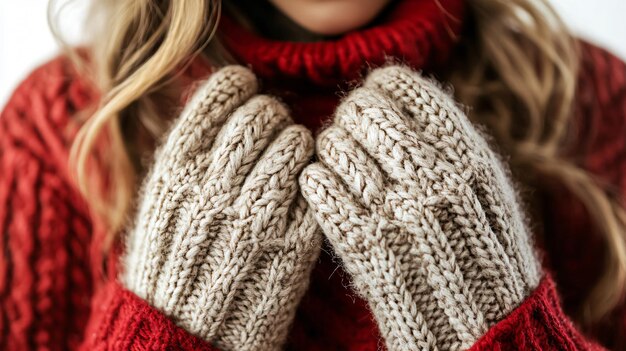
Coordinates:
(331, 17)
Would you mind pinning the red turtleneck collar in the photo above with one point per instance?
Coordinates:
(420, 33)
(309, 76)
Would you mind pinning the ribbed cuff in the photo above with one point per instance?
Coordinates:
(537, 324)
(122, 321)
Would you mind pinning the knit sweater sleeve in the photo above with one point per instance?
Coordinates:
(45, 279)
(48, 298)
(123, 321)
(538, 323)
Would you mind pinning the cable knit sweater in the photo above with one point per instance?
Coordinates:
(54, 294)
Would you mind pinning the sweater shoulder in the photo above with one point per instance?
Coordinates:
(600, 113)
(601, 79)
(41, 116)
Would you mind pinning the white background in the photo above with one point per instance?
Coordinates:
(25, 39)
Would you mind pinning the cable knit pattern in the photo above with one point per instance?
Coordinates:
(222, 243)
(421, 213)
(51, 296)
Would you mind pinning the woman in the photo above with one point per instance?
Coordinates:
(421, 217)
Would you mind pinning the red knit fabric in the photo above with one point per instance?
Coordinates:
(538, 324)
(51, 295)
(123, 321)
(418, 32)
(45, 228)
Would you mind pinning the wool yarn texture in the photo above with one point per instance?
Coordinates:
(223, 242)
(421, 212)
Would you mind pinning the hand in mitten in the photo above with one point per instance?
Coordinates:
(421, 213)
(223, 243)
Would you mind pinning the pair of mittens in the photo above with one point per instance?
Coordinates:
(421, 213)
(223, 242)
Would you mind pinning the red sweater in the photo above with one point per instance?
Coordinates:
(53, 294)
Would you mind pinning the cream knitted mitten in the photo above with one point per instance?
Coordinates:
(421, 212)
(223, 243)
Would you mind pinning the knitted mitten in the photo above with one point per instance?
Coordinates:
(223, 243)
(422, 214)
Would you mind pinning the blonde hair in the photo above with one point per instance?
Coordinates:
(516, 68)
